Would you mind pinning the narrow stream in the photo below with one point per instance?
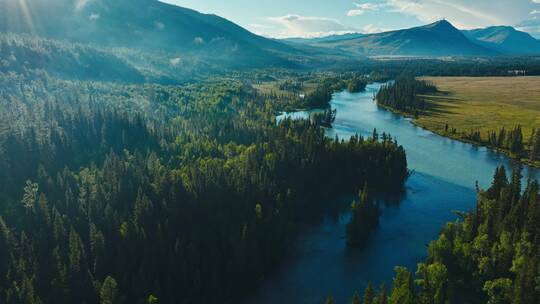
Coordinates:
(445, 173)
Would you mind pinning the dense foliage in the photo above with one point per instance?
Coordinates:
(365, 215)
(534, 154)
(329, 84)
(490, 256)
(325, 118)
(357, 84)
(116, 193)
(404, 94)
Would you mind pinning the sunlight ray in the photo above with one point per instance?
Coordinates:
(26, 14)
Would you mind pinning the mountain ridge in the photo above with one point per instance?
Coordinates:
(490, 41)
(436, 39)
(505, 39)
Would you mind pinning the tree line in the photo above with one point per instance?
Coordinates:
(511, 140)
(327, 85)
(405, 94)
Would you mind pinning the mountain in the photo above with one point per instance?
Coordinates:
(505, 39)
(437, 39)
(147, 25)
(331, 38)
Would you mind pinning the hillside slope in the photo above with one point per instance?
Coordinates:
(505, 39)
(147, 25)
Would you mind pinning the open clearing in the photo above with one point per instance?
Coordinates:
(483, 103)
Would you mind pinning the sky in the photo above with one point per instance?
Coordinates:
(315, 18)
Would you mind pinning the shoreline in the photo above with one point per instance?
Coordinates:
(414, 122)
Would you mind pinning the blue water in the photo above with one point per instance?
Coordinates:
(445, 173)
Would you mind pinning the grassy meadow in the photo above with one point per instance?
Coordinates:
(483, 103)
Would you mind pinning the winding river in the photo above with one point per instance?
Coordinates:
(445, 173)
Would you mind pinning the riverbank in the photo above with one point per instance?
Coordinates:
(459, 137)
(466, 108)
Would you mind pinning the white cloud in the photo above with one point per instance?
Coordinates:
(373, 29)
(362, 8)
(355, 12)
(535, 12)
(531, 25)
(306, 26)
(198, 40)
(81, 4)
(93, 17)
(175, 61)
(159, 25)
(465, 13)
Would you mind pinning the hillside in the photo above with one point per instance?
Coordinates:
(331, 38)
(505, 39)
(157, 27)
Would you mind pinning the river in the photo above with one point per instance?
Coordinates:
(445, 173)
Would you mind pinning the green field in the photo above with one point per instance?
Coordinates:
(483, 103)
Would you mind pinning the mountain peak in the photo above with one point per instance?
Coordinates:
(441, 25)
(440, 38)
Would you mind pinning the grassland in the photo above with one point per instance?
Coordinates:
(482, 104)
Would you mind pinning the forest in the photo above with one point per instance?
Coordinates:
(127, 193)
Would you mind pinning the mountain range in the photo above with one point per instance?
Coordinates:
(437, 39)
(151, 40)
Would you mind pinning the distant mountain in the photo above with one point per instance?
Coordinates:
(505, 39)
(331, 38)
(147, 25)
(437, 39)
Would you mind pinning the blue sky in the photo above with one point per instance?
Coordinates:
(310, 18)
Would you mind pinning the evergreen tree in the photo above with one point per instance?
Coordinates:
(403, 289)
(356, 299)
(535, 146)
(382, 297)
(109, 293)
(369, 294)
(365, 215)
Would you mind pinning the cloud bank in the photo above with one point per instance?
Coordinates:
(304, 26)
